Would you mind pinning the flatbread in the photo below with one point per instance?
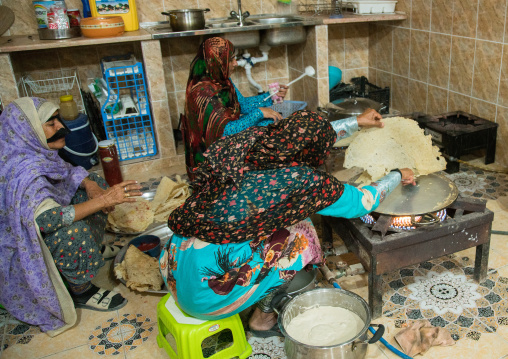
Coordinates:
(169, 196)
(140, 271)
(131, 217)
(401, 143)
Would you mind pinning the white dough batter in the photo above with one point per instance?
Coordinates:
(325, 326)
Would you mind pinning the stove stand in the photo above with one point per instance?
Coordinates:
(469, 225)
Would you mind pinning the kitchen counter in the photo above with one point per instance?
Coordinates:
(32, 42)
(163, 30)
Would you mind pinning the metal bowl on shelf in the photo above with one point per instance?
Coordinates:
(58, 34)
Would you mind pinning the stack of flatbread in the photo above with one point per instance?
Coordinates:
(135, 217)
(401, 143)
(140, 271)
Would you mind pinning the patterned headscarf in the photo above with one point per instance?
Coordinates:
(210, 99)
(30, 173)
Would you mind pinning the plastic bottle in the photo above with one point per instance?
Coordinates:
(110, 162)
(86, 8)
(68, 108)
(124, 8)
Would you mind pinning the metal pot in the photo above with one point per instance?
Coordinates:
(351, 107)
(303, 281)
(186, 19)
(355, 348)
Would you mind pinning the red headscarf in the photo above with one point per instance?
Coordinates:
(210, 99)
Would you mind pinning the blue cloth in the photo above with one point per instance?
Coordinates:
(251, 115)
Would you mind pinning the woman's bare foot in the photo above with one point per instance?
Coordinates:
(262, 321)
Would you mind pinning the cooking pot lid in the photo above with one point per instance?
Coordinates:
(432, 193)
(356, 105)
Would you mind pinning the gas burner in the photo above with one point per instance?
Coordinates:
(409, 222)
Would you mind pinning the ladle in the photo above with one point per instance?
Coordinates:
(309, 71)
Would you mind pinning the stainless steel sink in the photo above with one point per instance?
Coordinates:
(276, 19)
(229, 23)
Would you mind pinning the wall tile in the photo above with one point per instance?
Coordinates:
(404, 6)
(252, 6)
(465, 17)
(322, 51)
(336, 46)
(348, 74)
(483, 109)
(295, 56)
(168, 66)
(217, 8)
(25, 22)
(163, 128)
(309, 52)
(486, 70)
(491, 20)
(420, 14)
(384, 79)
(298, 88)
(417, 96)
(384, 48)
(277, 64)
(323, 92)
(154, 70)
(373, 76)
(373, 43)
(401, 43)
(439, 60)
(182, 54)
(419, 59)
(399, 94)
(151, 11)
(311, 92)
(442, 11)
(43, 60)
(356, 45)
(8, 91)
(458, 102)
(85, 61)
(502, 136)
(503, 88)
(175, 108)
(437, 100)
(462, 62)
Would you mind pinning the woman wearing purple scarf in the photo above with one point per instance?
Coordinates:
(51, 220)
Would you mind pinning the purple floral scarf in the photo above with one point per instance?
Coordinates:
(29, 174)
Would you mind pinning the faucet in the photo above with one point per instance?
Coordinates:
(239, 16)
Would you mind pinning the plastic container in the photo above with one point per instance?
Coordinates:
(110, 162)
(124, 8)
(68, 108)
(373, 6)
(86, 8)
(81, 144)
(289, 107)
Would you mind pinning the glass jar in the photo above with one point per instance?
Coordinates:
(68, 108)
(110, 162)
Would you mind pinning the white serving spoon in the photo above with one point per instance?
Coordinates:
(309, 71)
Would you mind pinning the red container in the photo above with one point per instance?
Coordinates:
(110, 162)
(74, 17)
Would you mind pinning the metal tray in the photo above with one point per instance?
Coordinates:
(57, 34)
(432, 193)
(164, 233)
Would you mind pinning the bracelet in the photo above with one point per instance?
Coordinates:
(82, 184)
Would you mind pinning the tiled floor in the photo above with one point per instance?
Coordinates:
(478, 321)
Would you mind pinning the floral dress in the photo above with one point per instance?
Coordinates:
(75, 245)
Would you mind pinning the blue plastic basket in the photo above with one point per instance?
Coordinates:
(289, 107)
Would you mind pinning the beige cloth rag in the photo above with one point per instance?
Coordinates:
(419, 336)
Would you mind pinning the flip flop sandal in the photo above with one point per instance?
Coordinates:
(272, 332)
(110, 252)
(102, 300)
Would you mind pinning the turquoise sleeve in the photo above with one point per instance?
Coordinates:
(345, 127)
(357, 202)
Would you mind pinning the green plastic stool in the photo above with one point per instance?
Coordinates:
(186, 337)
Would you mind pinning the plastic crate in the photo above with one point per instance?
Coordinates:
(287, 108)
(341, 91)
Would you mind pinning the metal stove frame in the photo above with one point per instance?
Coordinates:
(469, 225)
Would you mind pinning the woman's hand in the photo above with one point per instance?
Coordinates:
(408, 176)
(93, 190)
(370, 118)
(120, 193)
(269, 113)
(283, 90)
